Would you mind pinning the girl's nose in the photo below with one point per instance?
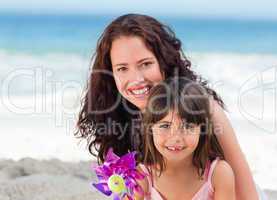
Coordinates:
(175, 136)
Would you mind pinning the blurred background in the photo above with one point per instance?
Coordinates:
(45, 52)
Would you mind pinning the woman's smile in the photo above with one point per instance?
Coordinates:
(139, 91)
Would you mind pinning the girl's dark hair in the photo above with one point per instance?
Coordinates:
(190, 101)
(102, 104)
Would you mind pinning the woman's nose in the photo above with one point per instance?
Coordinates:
(136, 75)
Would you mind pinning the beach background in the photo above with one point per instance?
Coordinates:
(44, 64)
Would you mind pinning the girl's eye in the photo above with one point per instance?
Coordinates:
(189, 126)
(164, 126)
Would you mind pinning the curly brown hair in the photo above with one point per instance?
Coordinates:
(101, 95)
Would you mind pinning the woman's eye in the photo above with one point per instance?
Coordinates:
(121, 69)
(147, 64)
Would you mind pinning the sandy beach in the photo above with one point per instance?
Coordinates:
(30, 179)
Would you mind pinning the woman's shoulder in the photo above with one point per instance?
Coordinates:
(214, 105)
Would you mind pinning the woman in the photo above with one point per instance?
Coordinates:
(134, 53)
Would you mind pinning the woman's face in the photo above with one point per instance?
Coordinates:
(135, 69)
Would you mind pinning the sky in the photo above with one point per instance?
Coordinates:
(248, 9)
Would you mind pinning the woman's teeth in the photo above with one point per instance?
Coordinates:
(144, 90)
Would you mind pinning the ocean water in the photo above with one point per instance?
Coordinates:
(78, 34)
(44, 64)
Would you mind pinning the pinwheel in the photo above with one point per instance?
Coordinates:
(118, 176)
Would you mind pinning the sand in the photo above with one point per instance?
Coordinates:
(30, 179)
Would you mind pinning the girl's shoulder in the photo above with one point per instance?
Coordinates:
(223, 175)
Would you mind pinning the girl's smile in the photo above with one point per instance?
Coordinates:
(175, 148)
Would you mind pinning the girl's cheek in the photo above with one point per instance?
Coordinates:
(191, 141)
(158, 140)
(157, 144)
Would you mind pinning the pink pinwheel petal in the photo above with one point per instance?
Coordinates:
(139, 189)
(132, 181)
(138, 175)
(111, 157)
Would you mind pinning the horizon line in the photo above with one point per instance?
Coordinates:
(159, 15)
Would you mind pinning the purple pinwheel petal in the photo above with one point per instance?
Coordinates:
(103, 187)
(100, 174)
(128, 160)
(107, 171)
(102, 179)
(98, 171)
(116, 197)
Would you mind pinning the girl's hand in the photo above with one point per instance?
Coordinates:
(144, 185)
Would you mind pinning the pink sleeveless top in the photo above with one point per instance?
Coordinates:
(206, 192)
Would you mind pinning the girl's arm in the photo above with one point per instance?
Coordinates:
(223, 182)
(245, 187)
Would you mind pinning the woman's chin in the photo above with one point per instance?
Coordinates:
(140, 104)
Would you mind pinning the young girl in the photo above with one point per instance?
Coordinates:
(183, 159)
(134, 53)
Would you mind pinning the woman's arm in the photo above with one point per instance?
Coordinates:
(244, 183)
(223, 182)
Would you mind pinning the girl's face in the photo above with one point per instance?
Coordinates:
(135, 69)
(175, 139)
